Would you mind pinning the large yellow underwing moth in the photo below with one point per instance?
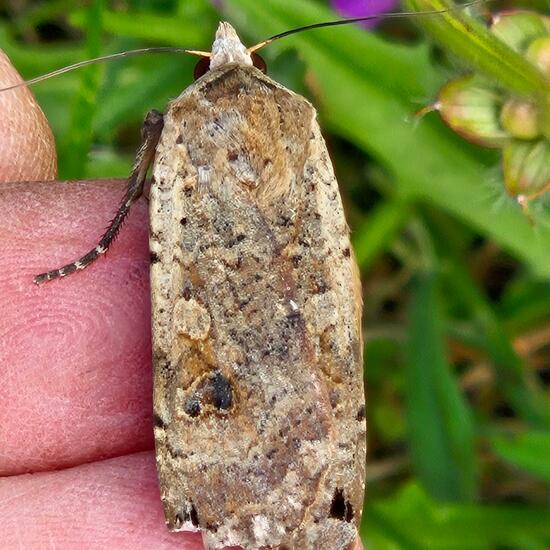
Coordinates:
(256, 318)
(259, 403)
(256, 314)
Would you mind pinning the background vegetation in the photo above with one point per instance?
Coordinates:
(456, 279)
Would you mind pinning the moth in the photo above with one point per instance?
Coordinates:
(256, 314)
(259, 404)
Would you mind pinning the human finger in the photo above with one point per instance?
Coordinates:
(113, 503)
(75, 353)
(27, 146)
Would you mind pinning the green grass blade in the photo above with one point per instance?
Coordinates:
(440, 424)
(74, 149)
(425, 523)
(511, 375)
(157, 29)
(529, 451)
(375, 234)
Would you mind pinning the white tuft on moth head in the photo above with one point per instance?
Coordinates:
(228, 48)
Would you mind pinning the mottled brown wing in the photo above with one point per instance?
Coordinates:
(258, 398)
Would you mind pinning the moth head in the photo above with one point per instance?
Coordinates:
(227, 48)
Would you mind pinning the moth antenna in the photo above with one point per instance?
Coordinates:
(110, 57)
(347, 21)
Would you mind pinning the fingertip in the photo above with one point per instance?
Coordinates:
(27, 146)
(113, 503)
(76, 352)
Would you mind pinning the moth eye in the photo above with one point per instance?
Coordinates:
(201, 68)
(259, 62)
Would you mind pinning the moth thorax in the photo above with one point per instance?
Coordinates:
(228, 48)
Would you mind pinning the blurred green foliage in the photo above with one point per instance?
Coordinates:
(456, 279)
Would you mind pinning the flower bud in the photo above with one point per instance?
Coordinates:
(539, 54)
(526, 167)
(520, 119)
(471, 108)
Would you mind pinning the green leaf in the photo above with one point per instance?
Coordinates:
(32, 60)
(525, 305)
(411, 519)
(378, 231)
(158, 29)
(529, 451)
(512, 378)
(440, 423)
(75, 147)
(135, 89)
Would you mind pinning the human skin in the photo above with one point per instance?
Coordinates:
(76, 443)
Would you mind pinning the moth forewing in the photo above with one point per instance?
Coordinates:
(258, 375)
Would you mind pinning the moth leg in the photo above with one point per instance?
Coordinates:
(152, 128)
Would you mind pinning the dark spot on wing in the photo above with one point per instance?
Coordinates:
(185, 516)
(222, 393)
(215, 391)
(157, 420)
(192, 407)
(340, 508)
(194, 516)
